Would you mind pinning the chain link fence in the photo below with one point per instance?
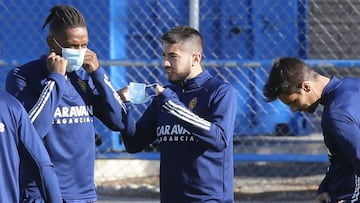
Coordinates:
(272, 144)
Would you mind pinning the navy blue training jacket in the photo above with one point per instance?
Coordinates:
(341, 129)
(17, 138)
(62, 109)
(194, 125)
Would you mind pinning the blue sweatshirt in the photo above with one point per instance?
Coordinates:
(17, 137)
(194, 125)
(62, 109)
(341, 129)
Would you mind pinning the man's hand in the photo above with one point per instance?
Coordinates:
(124, 94)
(322, 198)
(91, 62)
(159, 89)
(56, 64)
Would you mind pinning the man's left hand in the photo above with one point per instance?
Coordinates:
(91, 62)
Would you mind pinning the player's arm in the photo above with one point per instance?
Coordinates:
(323, 189)
(341, 128)
(108, 105)
(346, 134)
(137, 135)
(41, 108)
(35, 147)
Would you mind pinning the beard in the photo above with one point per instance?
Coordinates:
(178, 78)
(312, 107)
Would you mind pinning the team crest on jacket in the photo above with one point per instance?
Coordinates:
(192, 103)
(82, 85)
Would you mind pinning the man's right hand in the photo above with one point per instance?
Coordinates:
(322, 198)
(124, 94)
(56, 64)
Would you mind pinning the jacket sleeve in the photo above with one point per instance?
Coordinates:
(41, 108)
(137, 135)
(35, 147)
(215, 130)
(343, 135)
(346, 134)
(108, 105)
(324, 185)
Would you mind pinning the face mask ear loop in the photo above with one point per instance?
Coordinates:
(57, 43)
(150, 85)
(153, 84)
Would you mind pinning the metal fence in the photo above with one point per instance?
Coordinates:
(241, 40)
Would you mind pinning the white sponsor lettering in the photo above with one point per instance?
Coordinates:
(177, 138)
(73, 111)
(174, 130)
(175, 133)
(73, 115)
(73, 120)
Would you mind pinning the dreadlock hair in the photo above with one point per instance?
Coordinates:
(63, 17)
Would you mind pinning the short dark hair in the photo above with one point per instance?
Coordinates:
(63, 17)
(183, 33)
(286, 77)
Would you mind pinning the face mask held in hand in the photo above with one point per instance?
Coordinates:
(137, 93)
(74, 56)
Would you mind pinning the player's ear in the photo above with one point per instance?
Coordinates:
(306, 86)
(196, 58)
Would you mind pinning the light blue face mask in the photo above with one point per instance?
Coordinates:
(74, 56)
(137, 93)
